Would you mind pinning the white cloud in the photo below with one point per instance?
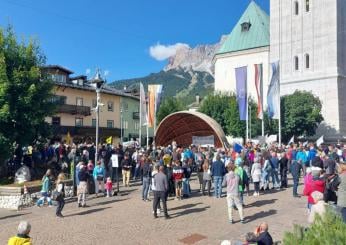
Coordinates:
(163, 52)
(87, 71)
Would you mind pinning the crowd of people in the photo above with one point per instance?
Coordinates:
(166, 172)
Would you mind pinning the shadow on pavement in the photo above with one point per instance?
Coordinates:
(109, 202)
(189, 211)
(260, 215)
(186, 206)
(260, 203)
(13, 215)
(89, 211)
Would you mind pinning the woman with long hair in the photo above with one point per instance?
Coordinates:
(206, 177)
(60, 187)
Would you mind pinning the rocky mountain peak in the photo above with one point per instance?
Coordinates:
(198, 58)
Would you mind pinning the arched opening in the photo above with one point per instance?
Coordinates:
(184, 125)
(307, 61)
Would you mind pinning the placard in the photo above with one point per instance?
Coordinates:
(115, 161)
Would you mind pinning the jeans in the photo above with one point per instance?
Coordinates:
(186, 186)
(295, 186)
(146, 183)
(137, 172)
(218, 185)
(61, 204)
(284, 178)
(256, 186)
(231, 202)
(265, 180)
(275, 177)
(99, 183)
(208, 184)
(43, 198)
(241, 197)
(160, 195)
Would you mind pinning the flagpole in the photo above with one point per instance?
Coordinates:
(148, 121)
(249, 122)
(140, 116)
(279, 105)
(155, 112)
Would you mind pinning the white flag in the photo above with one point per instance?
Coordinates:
(143, 106)
(319, 141)
(291, 140)
(273, 97)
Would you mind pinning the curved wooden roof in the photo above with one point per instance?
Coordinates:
(181, 126)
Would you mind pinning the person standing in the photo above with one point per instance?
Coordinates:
(126, 170)
(186, 180)
(83, 177)
(206, 177)
(146, 176)
(256, 173)
(178, 174)
(232, 181)
(109, 187)
(161, 185)
(341, 203)
(296, 167)
(99, 175)
(283, 164)
(218, 171)
(60, 187)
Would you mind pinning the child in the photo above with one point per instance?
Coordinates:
(109, 187)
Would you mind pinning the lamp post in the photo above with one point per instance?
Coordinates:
(98, 82)
(121, 124)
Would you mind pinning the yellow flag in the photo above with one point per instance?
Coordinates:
(109, 140)
(68, 138)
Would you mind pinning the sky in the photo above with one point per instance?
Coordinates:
(124, 38)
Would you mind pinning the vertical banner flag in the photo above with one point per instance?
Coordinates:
(158, 96)
(241, 87)
(259, 89)
(151, 112)
(274, 93)
(143, 105)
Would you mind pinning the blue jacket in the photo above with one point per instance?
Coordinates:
(312, 154)
(98, 170)
(218, 169)
(275, 162)
(301, 155)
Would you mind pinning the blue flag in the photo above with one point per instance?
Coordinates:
(237, 148)
(241, 86)
(273, 99)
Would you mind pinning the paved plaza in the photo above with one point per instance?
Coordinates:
(126, 219)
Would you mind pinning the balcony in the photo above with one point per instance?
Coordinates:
(74, 109)
(86, 131)
(135, 115)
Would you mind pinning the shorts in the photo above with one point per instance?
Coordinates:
(178, 184)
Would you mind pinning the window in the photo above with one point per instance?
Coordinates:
(110, 123)
(125, 124)
(125, 107)
(94, 103)
(110, 105)
(307, 5)
(296, 63)
(245, 26)
(296, 8)
(136, 125)
(59, 100)
(56, 121)
(59, 78)
(93, 122)
(79, 122)
(79, 101)
(307, 61)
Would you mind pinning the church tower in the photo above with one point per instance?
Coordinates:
(308, 37)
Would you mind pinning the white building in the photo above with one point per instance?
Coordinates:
(246, 45)
(308, 37)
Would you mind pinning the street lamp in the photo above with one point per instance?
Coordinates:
(97, 81)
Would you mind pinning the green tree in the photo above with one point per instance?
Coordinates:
(223, 108)
(328, 229)
(300, 114)
(168, 106)
(25, 93)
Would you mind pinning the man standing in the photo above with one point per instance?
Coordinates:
(295, 171)
(218, 171)
(126, 170)
(161, 185)
(178, 174)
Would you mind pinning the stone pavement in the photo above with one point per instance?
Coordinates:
(126, 219)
